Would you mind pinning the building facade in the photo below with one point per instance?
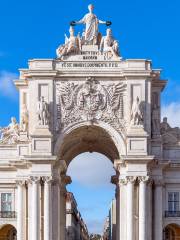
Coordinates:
(89, 99)
(76, 228)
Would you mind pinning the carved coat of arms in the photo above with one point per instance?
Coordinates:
(89, 101)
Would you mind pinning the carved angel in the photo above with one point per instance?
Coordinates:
(10, 134)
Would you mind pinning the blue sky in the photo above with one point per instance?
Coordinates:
(145, 29)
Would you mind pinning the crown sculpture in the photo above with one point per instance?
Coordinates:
(91, 39)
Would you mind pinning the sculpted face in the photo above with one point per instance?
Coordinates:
(109, 32)
(91, 7)
(13, 120)
(71, 31)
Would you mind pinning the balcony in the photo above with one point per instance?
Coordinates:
(172, 214)
(8, 214)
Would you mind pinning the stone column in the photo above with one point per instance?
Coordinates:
(130, 207)
(142, 207)
(20, 215)
(117, 211)
(149, 210)
(115, 180)
(122, 209)
(35, 228)
(158, 210)
(47, 208)
(64, 181)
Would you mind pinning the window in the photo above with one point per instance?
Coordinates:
(6, 202)
(173, 201)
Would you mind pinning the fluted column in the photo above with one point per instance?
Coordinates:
(158, 210)
(20, 203)
(47, 208)
(35, 228)
(142, 207)
(130, 209)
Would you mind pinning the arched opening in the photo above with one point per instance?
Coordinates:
(97, 147)
(91, 175)
(89, 138)
(8, 232)
(171, 232)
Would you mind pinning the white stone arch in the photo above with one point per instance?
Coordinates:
(117, 139)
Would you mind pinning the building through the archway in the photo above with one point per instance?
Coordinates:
(90, 99)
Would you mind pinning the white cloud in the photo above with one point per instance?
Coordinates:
(172, 112)
(91, 169)
(7, 87)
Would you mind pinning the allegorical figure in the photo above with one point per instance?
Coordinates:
(42, 111)
(72, 44)
(164, 126)
(24, 118)
(109, 44)
(10, 134)
(91, 22)
(156, 119)
(136, 113)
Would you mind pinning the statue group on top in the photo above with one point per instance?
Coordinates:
(90, 36)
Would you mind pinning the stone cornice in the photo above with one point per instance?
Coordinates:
(137, 159)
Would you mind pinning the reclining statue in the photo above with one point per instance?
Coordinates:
(10, 134)
(72, 45)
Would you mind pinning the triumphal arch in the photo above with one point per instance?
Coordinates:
(89, 98)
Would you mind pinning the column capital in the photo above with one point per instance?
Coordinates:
(21, 182)
(122, 181)
(143, 179)
(34, 179)
(47, 179)
(131, 179)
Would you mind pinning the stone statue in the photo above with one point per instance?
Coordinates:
(72, 45)
(164, 126)
(156, 119)
(136, 113)
(42, 111)
(24, 118)
(109, 44)
(10, 134)
(91, 22)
